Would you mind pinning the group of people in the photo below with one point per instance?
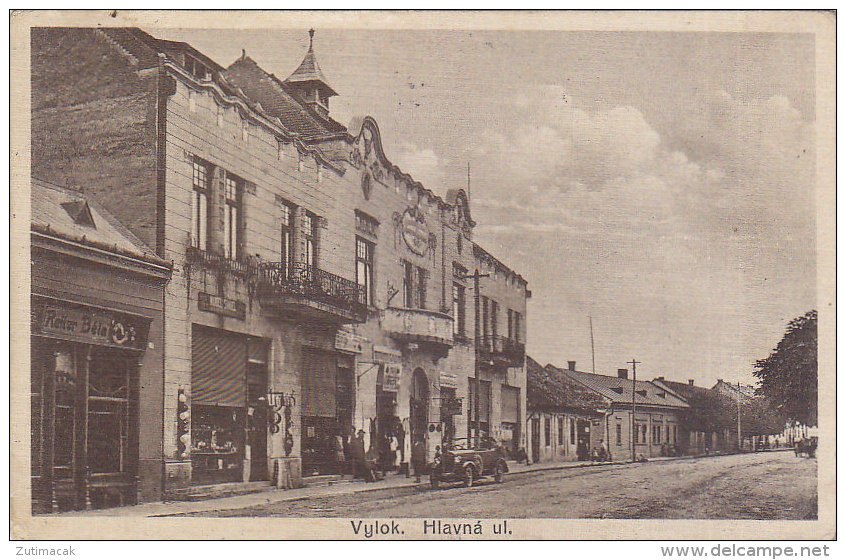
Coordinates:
(386, 453)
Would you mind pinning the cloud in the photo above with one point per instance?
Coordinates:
(421, 163)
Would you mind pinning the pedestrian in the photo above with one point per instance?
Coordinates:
(357, 448)
(338, 449)
(418, 458)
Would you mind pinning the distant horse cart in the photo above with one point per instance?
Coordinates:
(807, 447)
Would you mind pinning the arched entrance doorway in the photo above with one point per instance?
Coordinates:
(419, 406)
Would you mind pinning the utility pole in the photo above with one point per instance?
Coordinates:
(634, 364)
(592, 352)
(477, 336)
(738, 417)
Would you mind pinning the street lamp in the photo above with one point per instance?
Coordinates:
(476, 336)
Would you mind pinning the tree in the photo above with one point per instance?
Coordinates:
(788, 377)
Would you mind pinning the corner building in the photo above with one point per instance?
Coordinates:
(317, 290)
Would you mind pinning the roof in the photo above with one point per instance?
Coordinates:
(550, 390)
(619, 390)
(279, 100)
(684, 390)
(309, 70)
(64, 213)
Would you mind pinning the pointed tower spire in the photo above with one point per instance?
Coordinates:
(310, 83)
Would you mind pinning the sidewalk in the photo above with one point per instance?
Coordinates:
(274, 495)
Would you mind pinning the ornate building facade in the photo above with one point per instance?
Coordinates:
(317, 290)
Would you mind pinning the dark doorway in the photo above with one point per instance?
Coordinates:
(419, 409)
(536, 440)
(583, 440)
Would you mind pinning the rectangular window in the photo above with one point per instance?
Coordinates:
(200, 205)
(546, 432)
(643, 433)
(485, 323)
(408, 285)
(518, 319)
(364, 268)
(619, 434)
(656, 434)
(287, 245)
(422, 274)
(233, 187)
(458, 309)
(366, 223)
(511, 324)
(572, 431)
(310, 233)
(494, 320)
(560, 430)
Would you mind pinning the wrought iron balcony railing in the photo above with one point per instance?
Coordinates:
(243, 268)
(498, 347)
(300, 279)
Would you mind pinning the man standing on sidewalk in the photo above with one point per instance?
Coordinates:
(418, 458)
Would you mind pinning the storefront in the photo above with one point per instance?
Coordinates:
(85, 373)
(229, 422)
(328, 405)
(510, 419)
(95, 357)
(450, 405)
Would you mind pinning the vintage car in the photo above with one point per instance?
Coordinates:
(461, 461)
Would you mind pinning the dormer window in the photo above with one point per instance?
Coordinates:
(196, 68)
(618, 390)
(80, 213)
(641, 392)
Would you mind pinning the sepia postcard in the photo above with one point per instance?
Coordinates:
(423, 275)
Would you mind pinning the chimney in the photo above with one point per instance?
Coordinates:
(623, 373)
(661, 378)
(571, 365)
(690, 382)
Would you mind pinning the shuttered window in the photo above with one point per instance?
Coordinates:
(510, 404)
(319, 374)
(218, 368)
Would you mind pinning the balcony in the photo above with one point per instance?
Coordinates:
(310, 293)
(502, 350)
(244, 269)
(418, 325)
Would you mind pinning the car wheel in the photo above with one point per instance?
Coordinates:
(499, 473)
(468, 476)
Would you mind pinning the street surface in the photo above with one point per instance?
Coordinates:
(774, 485)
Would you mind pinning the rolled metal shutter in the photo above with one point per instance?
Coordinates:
(218, 368)
(318, 382)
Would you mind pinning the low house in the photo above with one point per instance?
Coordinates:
(709, 424)
(657, 414)
(758, 418)
(561, 413)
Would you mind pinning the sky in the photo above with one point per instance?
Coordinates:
(660, 183)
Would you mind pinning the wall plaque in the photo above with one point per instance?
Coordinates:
(221, 305)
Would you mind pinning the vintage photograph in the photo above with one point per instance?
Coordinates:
(447, 278)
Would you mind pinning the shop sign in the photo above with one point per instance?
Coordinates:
(93, 326)
(451, 406)
(449, 380)
(414, 231)
(349, 342)
(391, 377)
(221, 305)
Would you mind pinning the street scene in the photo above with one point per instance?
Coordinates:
(434, 274)
(726, 487)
